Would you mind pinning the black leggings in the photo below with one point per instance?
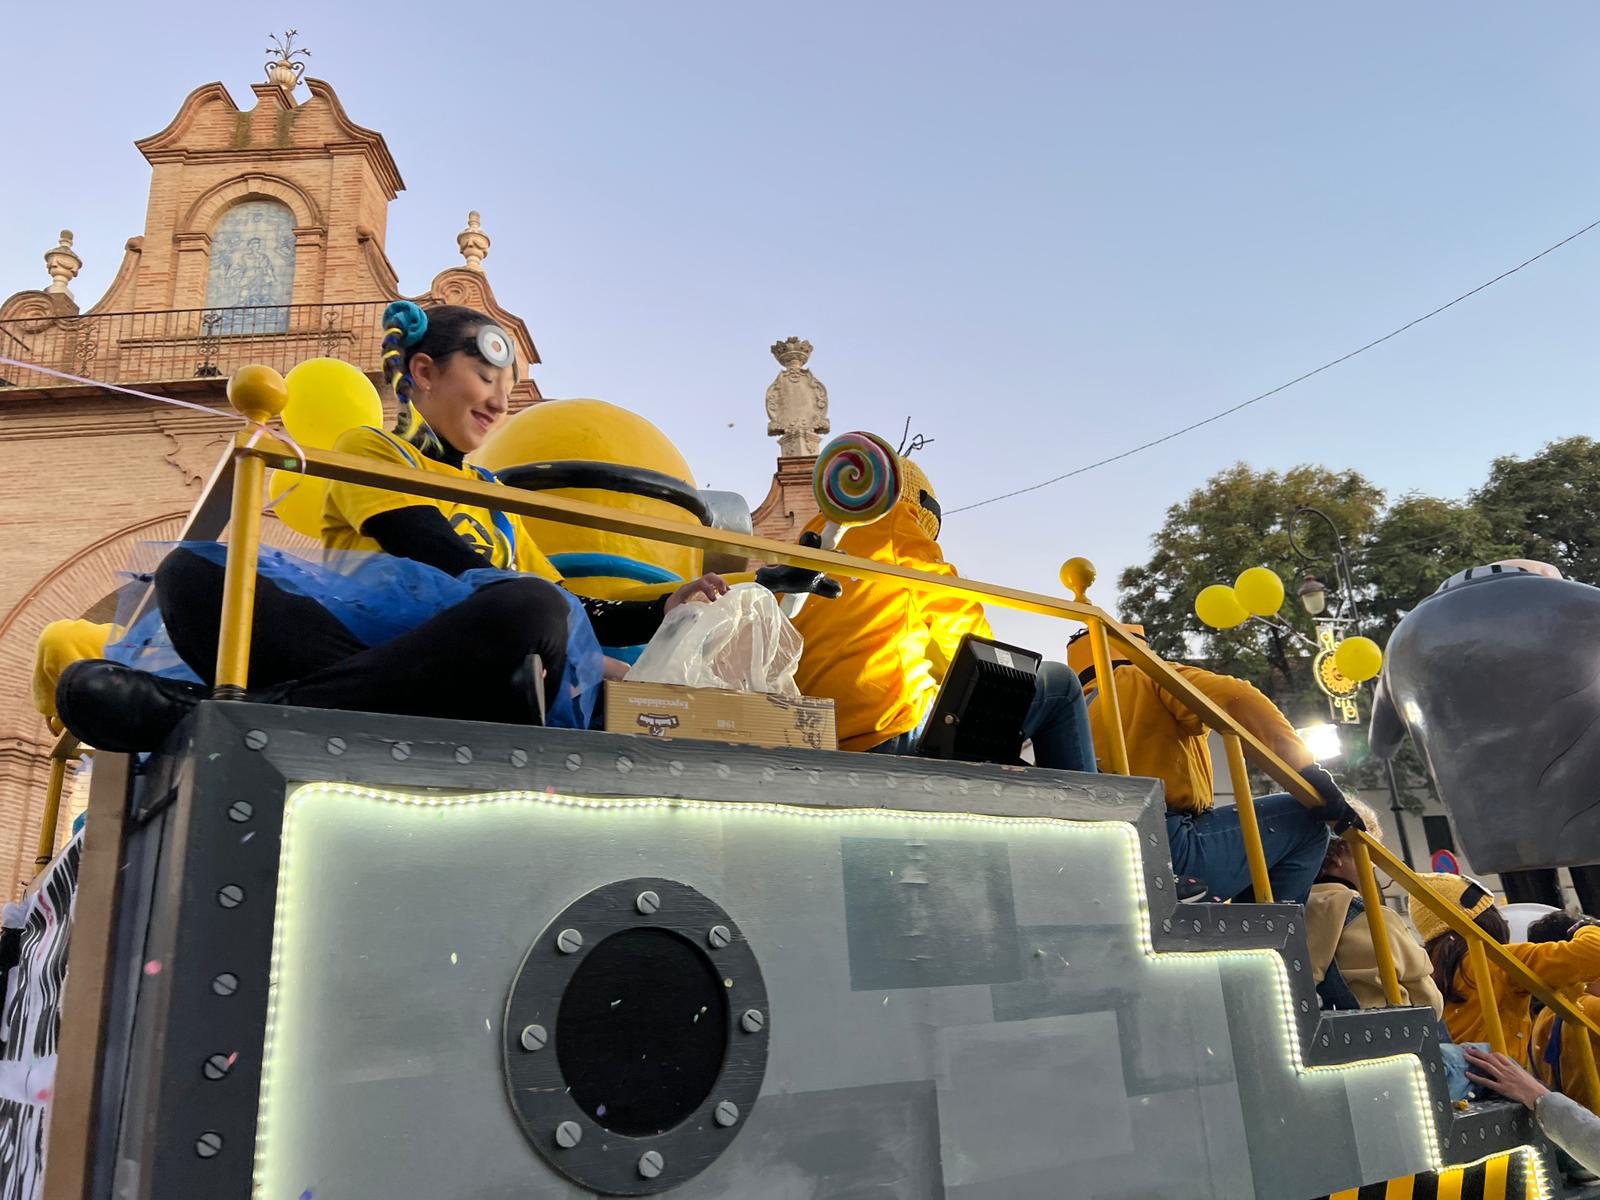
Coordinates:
(457, 664)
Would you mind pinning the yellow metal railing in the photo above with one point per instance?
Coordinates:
(65, 750)
(259, 394)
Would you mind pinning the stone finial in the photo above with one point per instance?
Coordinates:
(285, 69)
(473, 243)
(63, 265)
(797, 403)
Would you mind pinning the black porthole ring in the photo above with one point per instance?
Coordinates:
(603, 1159)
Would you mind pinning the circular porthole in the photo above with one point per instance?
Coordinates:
(635, 1039)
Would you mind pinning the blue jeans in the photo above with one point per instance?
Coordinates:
(1057, 723)
(1210, 846)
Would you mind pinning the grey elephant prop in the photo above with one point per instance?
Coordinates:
(1496, 677)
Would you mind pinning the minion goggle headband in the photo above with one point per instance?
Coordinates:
(490, 343)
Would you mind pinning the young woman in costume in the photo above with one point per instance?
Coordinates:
(443, 609)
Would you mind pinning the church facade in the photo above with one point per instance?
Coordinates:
(263, 241)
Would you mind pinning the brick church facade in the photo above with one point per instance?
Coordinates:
(263, 242)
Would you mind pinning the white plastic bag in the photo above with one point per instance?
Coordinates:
(740, 641)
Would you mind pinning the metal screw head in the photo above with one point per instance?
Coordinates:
(400, 751)
(719, 937)
(651, 1164)
(568, 1134)
(335, 745)
(256, 739)
(574, 761)
(752, 1021)
(225, 984)
(569, 941)
(1161, 885)
(726, 1113)
(217, 1066)
(624, 764)
(519, 758)
(647, 902)
(241, 811)
(208, 1144)
(1291, 926)
(534, 1037)
(463, 754)
(230, 895)
(1297, 964)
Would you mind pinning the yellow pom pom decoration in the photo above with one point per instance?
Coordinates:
(1358, 658)
(1260, 591)
(1219, 607)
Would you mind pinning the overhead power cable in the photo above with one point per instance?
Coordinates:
(1282, 387)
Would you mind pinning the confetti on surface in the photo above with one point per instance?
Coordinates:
(453, 958)
(248, 836)
(601, 1111)
(614, 1003)
(306, 1195)
(487, 1026)
(153, 967)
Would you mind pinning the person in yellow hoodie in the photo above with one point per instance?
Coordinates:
(1554, 1051)
(1562, 964)
(1167, 741)
(1344, 962)
(880, 651)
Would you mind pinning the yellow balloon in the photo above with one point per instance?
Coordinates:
(296, 500)
(1358, 658)
(328, 396)
(1260, 591)
(1219, 608)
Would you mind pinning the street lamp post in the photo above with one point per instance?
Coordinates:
(1313, 595)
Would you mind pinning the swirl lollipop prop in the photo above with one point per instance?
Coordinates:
(856, 481)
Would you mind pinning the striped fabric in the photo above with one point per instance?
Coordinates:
(1499, 1178)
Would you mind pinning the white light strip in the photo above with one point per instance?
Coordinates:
(1431, 1134)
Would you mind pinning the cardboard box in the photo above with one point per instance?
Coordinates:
(747, 718)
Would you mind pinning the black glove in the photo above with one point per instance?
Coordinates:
(811, 540)
(785, 580)
(1335, 809)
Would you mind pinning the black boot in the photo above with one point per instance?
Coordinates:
(529, 684)
(113, 707)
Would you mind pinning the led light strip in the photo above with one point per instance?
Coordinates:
(1431, 1135)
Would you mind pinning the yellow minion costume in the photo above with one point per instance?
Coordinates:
(880, 651)
(350, 506)
(1560, 964)
(1555, 1054)
(1168, 742)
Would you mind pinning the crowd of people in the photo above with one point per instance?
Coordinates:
(469, 620)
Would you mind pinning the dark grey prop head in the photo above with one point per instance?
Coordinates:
(1497, 679)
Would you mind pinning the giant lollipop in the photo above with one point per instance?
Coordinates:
(856, 481)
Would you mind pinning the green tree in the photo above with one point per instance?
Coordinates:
(1419, 542)
(1234, 522)
(1548, 506)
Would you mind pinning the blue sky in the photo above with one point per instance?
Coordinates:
(1045, 232)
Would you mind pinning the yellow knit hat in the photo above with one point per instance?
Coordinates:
(1453, 889)
(916, 489)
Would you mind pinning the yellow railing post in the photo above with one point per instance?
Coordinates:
(1077, 574)
(1372, 899)
(1246, 804)
(52, 811)
(1487, 1000)
(1591, 1077)
(259, 394)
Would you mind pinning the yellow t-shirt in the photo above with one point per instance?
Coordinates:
(349, 506)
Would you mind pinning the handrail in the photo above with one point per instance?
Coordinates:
(66, 749)
(1484, 950)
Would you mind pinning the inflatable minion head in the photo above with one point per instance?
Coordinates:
(1494, 677)
(593, 451)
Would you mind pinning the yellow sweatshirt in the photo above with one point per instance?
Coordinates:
(879, 650)
(1168, 742)
(1559, 964)
(1572, 1081)
(1331, 940)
